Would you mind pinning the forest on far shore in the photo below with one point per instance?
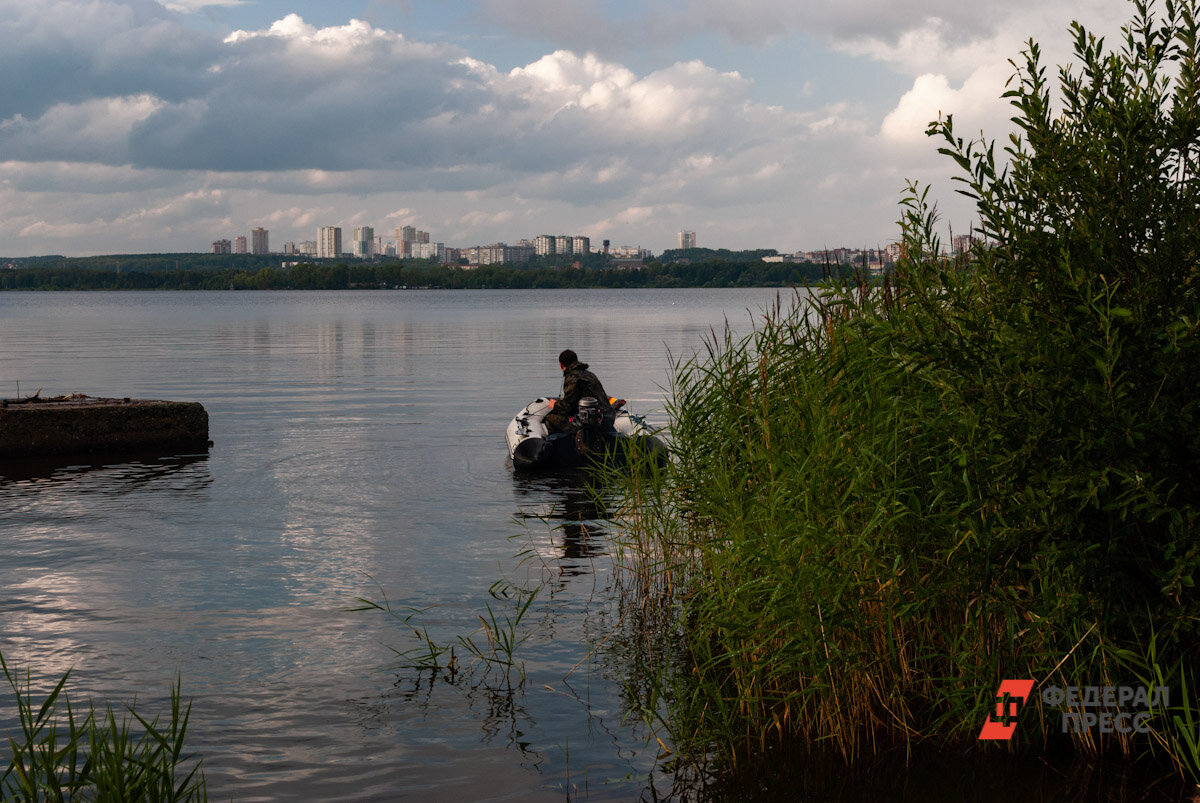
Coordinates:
(693, 268)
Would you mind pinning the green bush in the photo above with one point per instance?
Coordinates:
(984, 467)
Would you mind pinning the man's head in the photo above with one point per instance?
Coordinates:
(567, 358)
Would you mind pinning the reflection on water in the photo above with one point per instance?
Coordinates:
(575, 513)
(62, 562)
(182, 473)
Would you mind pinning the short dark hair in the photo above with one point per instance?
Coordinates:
(567, 358)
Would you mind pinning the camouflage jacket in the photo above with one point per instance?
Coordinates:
(579, 383)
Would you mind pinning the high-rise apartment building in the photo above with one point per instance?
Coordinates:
(562, 244)
(428, 250)
(407, 237)
(329, 242)
(222, 247)
(543, 245)
(497, 254)
(364, 242)
(258, 241)
(239, 245)
(687, 239)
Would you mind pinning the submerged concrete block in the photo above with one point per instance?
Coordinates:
(79, 424)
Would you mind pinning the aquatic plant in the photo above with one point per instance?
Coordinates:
(76, 755)
(897, 493)
(492, 646)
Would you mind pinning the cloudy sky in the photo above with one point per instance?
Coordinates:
(132, 126)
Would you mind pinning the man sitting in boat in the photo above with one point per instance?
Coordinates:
(578, 383)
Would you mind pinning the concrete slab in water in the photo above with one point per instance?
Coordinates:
(79, 424)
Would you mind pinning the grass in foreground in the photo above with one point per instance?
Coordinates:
(65, 754)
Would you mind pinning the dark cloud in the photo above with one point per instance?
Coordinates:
(69, 52)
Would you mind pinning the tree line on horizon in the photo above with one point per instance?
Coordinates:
(698, 268)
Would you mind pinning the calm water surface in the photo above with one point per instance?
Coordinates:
(358, 452)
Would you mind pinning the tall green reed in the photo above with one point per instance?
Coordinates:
(893, 495)
(852, 557)
(62, 753)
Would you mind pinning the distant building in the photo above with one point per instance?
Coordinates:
(625, 263)
(428, 250)
(239, 245)
(406, 237)
(629, 252)
(870, 259)
(290, 249)
(364, 242)
(519, 253)
(544, 245)
(308, 248)
(258, 241)
(222, 247)
(329, 242)
(498, 254)
(687, 239)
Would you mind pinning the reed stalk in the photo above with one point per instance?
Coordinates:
(64, 754)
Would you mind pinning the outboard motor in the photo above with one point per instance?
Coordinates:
(588, 415)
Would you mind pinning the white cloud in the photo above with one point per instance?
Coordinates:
(932, 98)
(116, 113)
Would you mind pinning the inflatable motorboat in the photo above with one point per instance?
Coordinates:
(595, 436)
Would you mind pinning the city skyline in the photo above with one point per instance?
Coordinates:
(134, 126)
(409, 241)
(415, 243)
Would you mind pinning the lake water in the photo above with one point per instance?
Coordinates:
(358, 451)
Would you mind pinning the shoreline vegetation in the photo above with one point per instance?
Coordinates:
(888, 502)
(73, 752)
(691, 268)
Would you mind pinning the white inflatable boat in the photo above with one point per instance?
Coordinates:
(531, 444)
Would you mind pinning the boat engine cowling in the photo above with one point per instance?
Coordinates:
(588, 414)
